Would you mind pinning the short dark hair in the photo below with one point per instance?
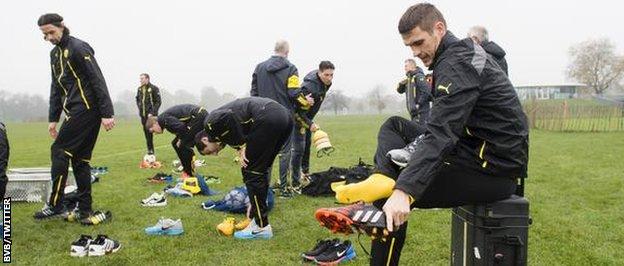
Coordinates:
(199, 145)
(150, 121)
(326, 65)
(146, 75)
(423, 15)
(54, 19)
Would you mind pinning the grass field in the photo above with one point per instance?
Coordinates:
(575, 188)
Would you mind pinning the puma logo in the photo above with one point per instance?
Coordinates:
(445, 88)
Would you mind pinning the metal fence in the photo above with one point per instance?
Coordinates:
(565, 116)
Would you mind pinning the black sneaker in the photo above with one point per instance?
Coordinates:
(285, 193)
(296, 190)
(96, 218)
(103, 245)
(336, 253)
(80, 247)
(321, 246)
(48, 213)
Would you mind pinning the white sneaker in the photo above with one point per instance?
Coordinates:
(80, 247)
(257, 233)
(199, 163)
(402, 156)
(103, 245)
(155, 200)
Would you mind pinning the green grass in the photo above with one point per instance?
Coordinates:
(575, 188)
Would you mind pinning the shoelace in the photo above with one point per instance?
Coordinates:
(411, 148)
(361, 245)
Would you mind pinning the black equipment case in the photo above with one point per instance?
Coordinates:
(491, 234)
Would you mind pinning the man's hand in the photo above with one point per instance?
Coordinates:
(314, 127)
(178, 143)
(52, 130)
(310, 99)
(397, 209)
(108, 123)
(243, 159)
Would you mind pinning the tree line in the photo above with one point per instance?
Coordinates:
(24, 107)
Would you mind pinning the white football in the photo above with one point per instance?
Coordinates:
(149, 158)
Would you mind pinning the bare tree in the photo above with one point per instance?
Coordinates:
(595, 64)
(22, 107)
(376, 98)
(210, 98)
(336, 101)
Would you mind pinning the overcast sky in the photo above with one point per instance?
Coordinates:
(188, 45)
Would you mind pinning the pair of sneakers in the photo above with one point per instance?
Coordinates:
(155, 200)
(100, 246)
(94, 218)
(166, 226)
(160, 178)
(229, 226)
(290, 191)
(330, 252)
(253, 231)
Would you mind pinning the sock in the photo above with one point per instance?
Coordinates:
(375, 187)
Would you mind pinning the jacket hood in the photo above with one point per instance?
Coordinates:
(493, 49)
(277, 63)
(414, 72)
(312, 77)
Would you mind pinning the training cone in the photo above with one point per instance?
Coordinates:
(322, 143)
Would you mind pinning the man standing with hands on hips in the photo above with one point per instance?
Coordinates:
(78, 88)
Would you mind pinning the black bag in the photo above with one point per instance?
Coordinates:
(491, 234)
(320, 183)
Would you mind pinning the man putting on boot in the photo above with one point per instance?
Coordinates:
(185, 121)
(257, 128)
(473, 147)
(79, 89)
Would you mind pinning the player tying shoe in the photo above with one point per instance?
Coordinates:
(185, 121)
(475, 143)
(257, 128)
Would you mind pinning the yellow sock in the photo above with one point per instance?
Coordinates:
(375, 187)
(334, 185)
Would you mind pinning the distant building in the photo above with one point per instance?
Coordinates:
(546, 92)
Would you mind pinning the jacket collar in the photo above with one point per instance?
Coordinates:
(64, 41)
(447, 40)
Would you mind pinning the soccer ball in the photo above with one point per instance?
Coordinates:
(236, 197)
(149, 158)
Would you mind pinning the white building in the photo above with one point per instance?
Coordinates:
(545, 92)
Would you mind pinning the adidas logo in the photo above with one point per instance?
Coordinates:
(367, 216)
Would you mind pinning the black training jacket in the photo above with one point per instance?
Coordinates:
(312, 84)
(179, 120)
(274, 78)
(476, 120)
(77, 82)
(497, 52)
(417, 94)
(148, 100)
(232, 122)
